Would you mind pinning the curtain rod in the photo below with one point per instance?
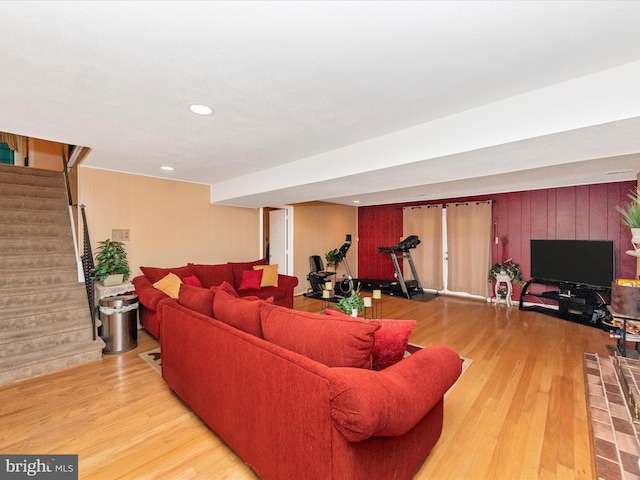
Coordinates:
(456, 204)
(431, 205)
(434, 205)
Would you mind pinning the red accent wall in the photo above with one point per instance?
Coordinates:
(378, 226)
(584, 212)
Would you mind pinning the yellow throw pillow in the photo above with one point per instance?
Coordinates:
(269, 275)
(169, 285)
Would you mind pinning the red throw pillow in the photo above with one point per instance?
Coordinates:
(154, 274)
(238, 313)
(336, 342)
(192, 280)
(196, 298)
(337, 313)
(239, 267)
(250, 280)
(390, 341)
(225, 287)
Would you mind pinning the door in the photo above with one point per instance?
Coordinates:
(278, 233)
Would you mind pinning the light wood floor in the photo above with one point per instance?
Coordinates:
(519, 411)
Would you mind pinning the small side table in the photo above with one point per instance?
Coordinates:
(102, 292)
(118, 317)
(506, 280)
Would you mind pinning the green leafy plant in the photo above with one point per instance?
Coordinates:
(111, 259)
(331, 257)
(631, 211)
(347, 304)
(508, 267)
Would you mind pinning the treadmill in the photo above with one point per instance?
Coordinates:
(402, 250)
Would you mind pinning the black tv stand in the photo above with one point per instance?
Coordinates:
(577, 302)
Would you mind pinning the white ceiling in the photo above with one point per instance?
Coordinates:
(378, 101)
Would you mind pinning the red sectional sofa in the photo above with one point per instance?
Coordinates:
(293, 393)
(227, 274)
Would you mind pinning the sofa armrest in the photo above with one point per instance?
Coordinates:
(367, 403)
(148, 295)
(287, 282)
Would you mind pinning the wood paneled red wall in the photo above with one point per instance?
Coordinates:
(378, 226)
(570, 213)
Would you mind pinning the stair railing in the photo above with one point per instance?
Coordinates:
(65, 161)
(88, 267)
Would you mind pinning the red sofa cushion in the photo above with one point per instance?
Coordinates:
(212, 275)
(390, 341)
(241, 314)
(239, 267)
(154, 274)
(226, 287)
(335, 342)
(197, 298)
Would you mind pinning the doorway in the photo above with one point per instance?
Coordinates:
(277, 237)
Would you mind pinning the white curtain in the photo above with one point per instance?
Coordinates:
(469, 247)
(425, 222)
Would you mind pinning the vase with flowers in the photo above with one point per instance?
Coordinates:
(509, 269)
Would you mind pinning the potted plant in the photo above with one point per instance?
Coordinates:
(631, 217)
(332, 258)
(507, 268)
(112, 266)
(502, 292)
(351, 304)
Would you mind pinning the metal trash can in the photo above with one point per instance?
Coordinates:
(119, 318)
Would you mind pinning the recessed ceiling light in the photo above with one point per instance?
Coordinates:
(356, 201)
(200, 109)
(167, 168)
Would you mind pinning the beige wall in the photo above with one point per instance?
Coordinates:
(171, 223)
(318, 228)
(45, 154)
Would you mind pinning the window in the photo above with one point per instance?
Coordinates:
(6, 154)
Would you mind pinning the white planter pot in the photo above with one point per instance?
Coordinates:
(503, 277)
(635, 238)
(112, 280)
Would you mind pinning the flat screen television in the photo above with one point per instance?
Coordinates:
(590, 262)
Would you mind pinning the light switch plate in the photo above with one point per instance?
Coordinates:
(120, 235)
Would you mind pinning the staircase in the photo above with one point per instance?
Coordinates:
(45, 324)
